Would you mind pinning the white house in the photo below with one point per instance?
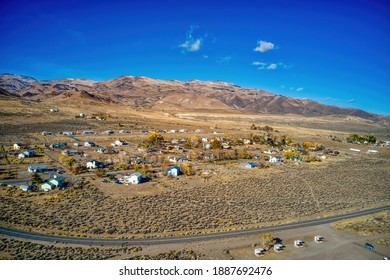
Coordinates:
(54, 110)
(133, 179)
(25, 187)
(101, 150)
(119, 143)
(47, 133)
(27, 153)
(89, 144)
(271, 152)
(250, 165)
(275, 159)
(94, 164)
(37, 168)
(68, 133)
(55, 182)
(18, 146)
(174, 171)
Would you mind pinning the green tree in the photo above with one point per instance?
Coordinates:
(70, 162)
(306, 145)
(99, 172)
(79, 169)
(36, 179)
(216, 144)
(136, 167)
(155, 139)
(245, 155)
(144, 171)
(188, 169)
(291, 154)
(267, 240)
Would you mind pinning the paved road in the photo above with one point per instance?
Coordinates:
(180, 239)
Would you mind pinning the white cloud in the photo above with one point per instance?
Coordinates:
(272, 66)
(191, 46)
(351, 100)
(193, 42)
(300, 89)
(269, 66)
(263, 46)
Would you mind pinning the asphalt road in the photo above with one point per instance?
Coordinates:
(180, 239)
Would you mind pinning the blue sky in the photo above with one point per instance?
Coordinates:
(335, 52)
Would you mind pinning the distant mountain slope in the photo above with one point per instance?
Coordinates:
(160, 94)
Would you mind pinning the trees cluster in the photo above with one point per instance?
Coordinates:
(154, 140)
(265, 128)
(355, 138)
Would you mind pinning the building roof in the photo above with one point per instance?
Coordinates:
(174, 167)
(136, 174)
(38, 166)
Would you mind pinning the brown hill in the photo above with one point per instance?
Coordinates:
(171, 94)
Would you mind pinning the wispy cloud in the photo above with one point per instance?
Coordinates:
(193, 42)
(224, 60)
(351, 101)
(263, 46)
(270, 66)
(300, 89)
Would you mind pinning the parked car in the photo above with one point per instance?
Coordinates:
(368, 246)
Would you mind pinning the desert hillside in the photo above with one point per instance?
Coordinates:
(143, 92)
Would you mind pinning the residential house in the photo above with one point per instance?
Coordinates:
(27, 153)
(18, 146)
(37, 168)
(275, 159)
(69, 133)
(133, 179)
(71, 152)
(54, 110)
(109, 132)
(88, 132)
(57, 145)
(25, 187)
(174, 171)
(119, 143)
(54, 182)
(44, 133)
(94, 164)
(89, 144)
(77, 144)
(250, 165)
(101, 150)
(271, 151)
(124, 131)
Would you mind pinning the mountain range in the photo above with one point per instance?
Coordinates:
(143, 92)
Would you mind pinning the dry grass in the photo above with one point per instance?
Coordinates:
(233, 200)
